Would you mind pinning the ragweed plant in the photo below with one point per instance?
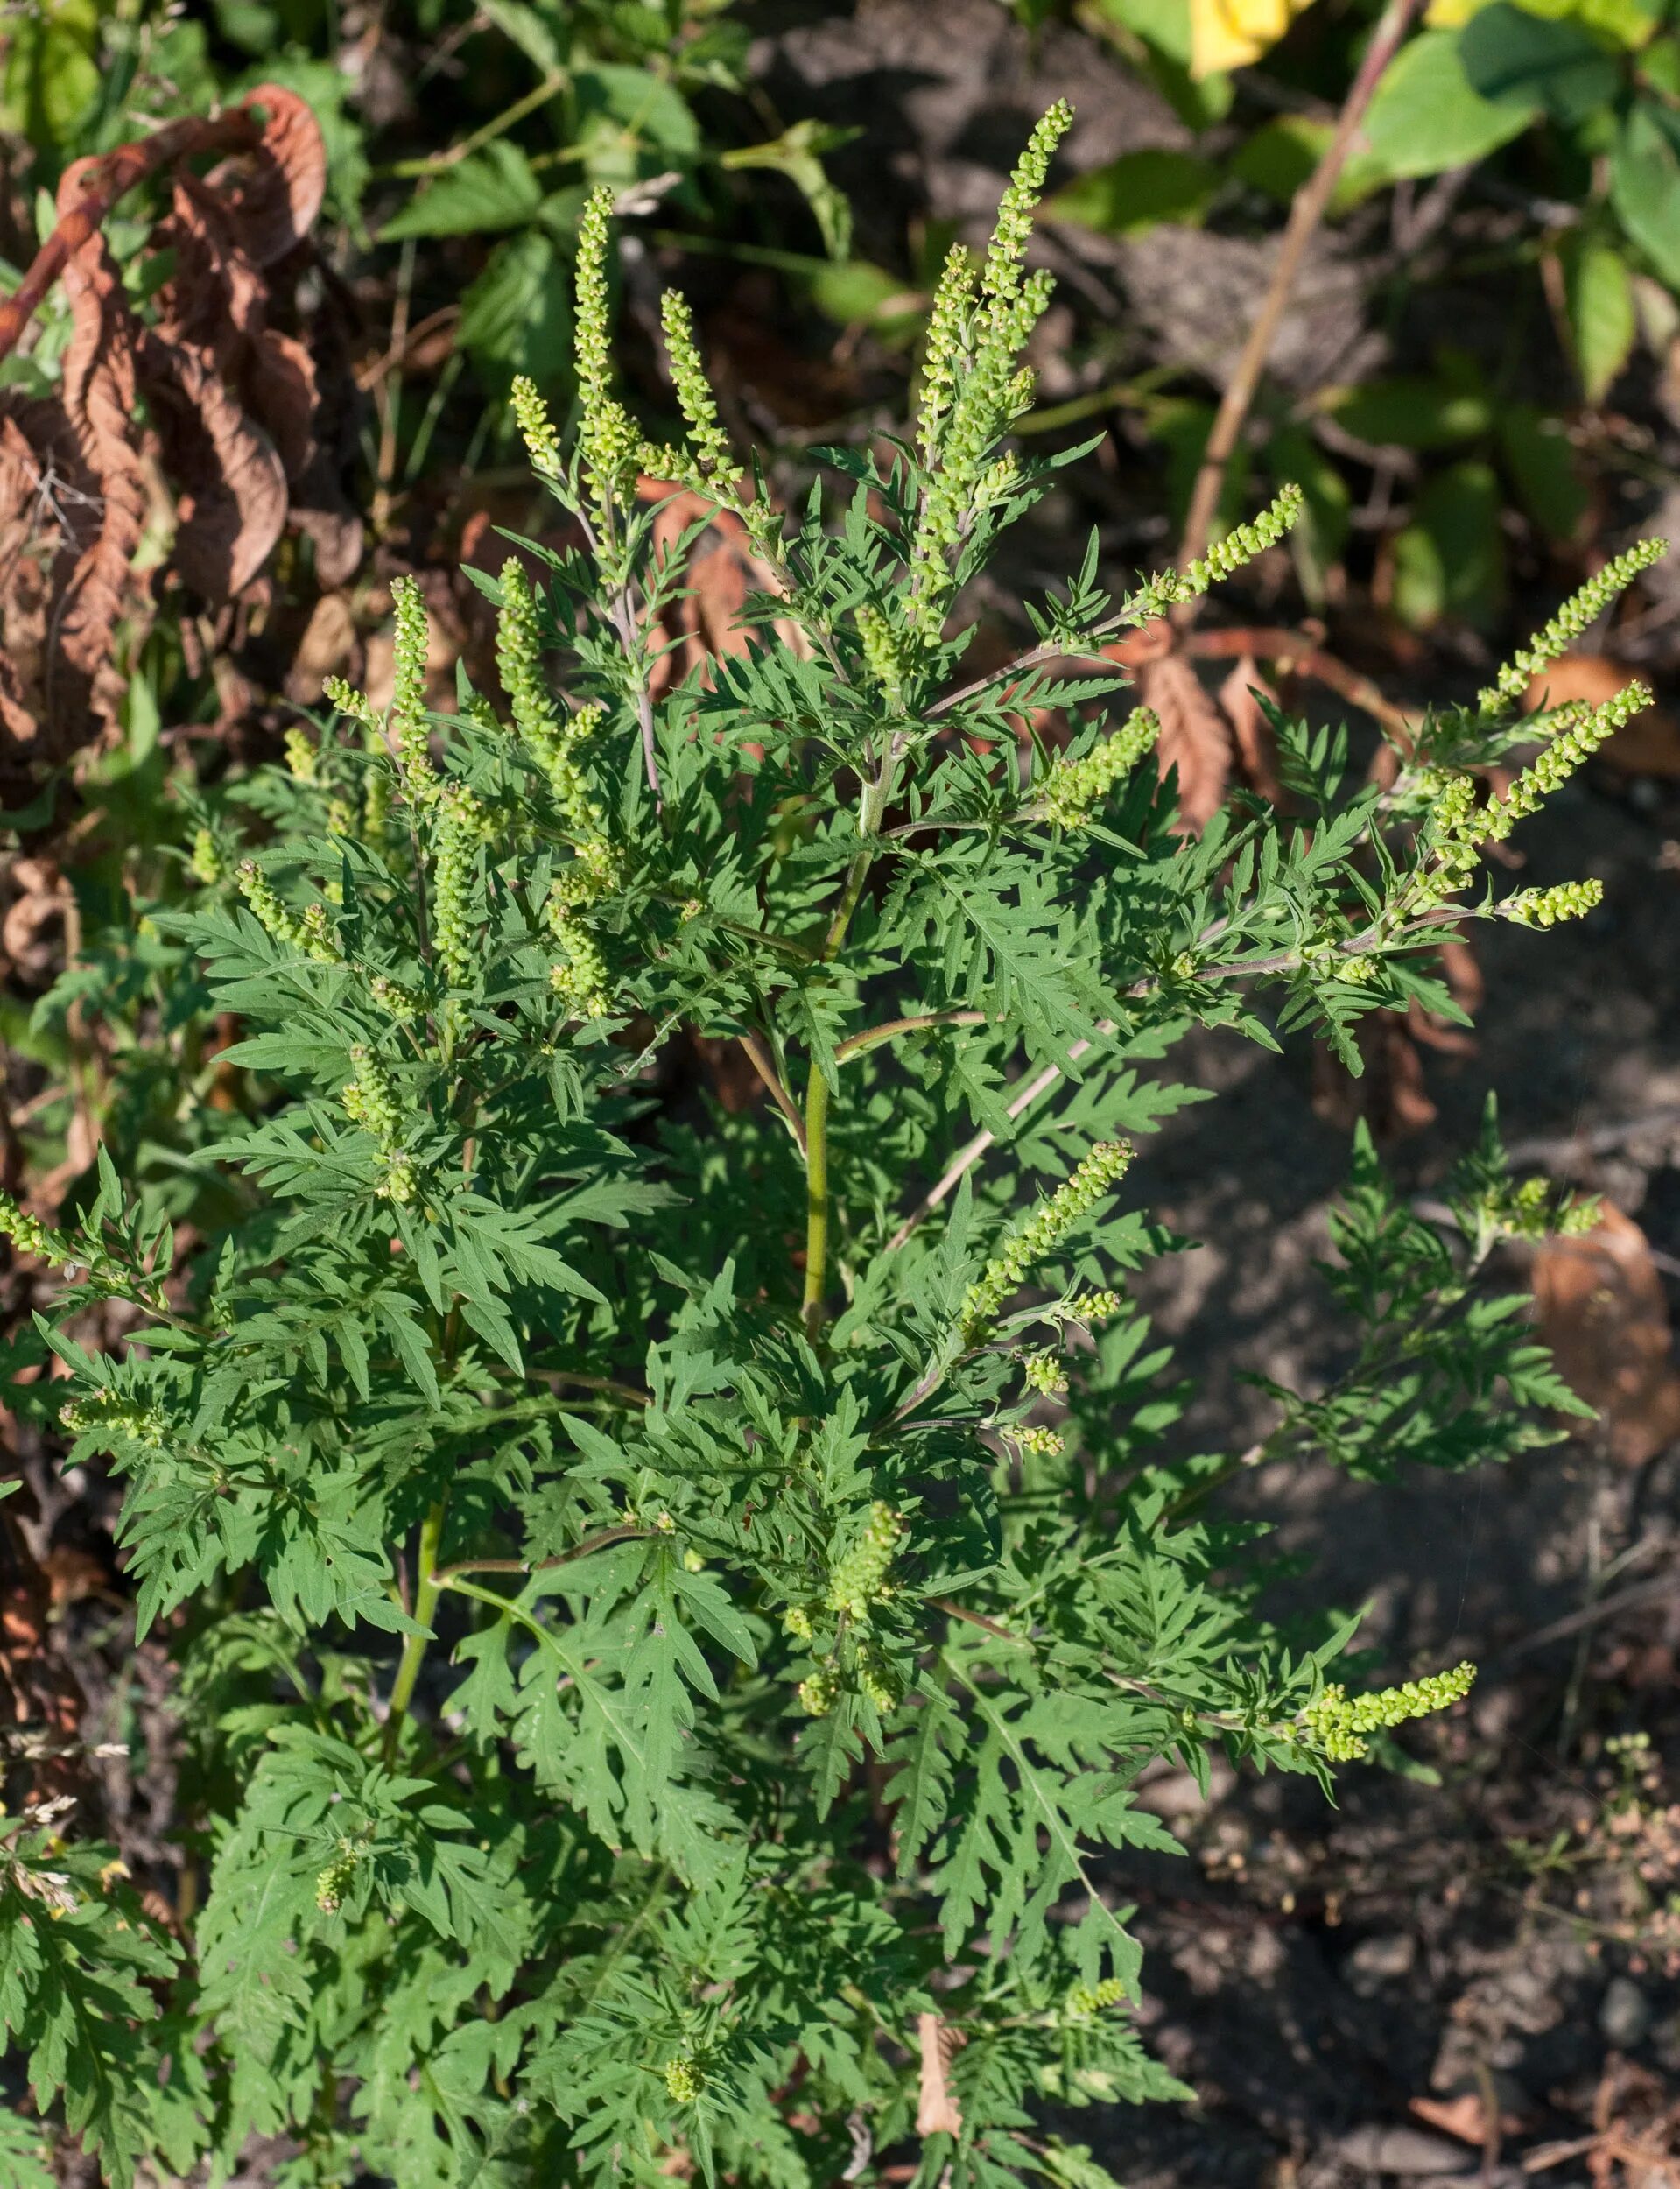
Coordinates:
(672, 1603)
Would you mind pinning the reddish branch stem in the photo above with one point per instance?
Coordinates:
(103, 182)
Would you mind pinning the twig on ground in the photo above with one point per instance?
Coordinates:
(1304, 216)
(1629, 1599)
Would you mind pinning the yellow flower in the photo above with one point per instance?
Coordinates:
(1230, 34)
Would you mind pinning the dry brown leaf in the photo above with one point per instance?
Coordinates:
(238, 407)
(1462, 973)
(1603, 1314)
(1147, 642)
(32, 932)
(938, 2112)
(326, 645)
(97, 391)
(24, 588)
(1465, 2116)
(73, 1575)
(215, 300)
(1390, 1095)
(275, 193)
(1194, 737)
(279, 385)
(37, 1689)
(1648, 745)
(1256, 745)
(722, 571)
(233, 499)
(729, 1072)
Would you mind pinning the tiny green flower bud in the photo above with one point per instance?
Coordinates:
(859, 1580)
(1337, 1725)
(536, 428)
(1580, 610)
(331, 1884)
(818, 1693)
(1045, 1372)
(709, 444)
(684, 2079)
(1243, 542)
(205, 863)
(348, 701)
(408, 723)
(1544, 908)
(1042, 1443)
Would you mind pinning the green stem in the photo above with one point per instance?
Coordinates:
(816, 1117)
(859, 1044)
(427, 1587)
(816, 1125)
(439, 163)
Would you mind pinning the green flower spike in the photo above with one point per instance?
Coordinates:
(30, 1235)
(1580, 610)
(859, 1579)
(408, 726)
(1043, 1231)
(1074, 789)
(707, 442)
(1336, 1724)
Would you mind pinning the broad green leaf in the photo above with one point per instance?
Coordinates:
(632, 122)
(1426, 116)
(855, 293)
(1281, 154)
(1412, 412)
(1537, 452)
(1645, 189)
(1513, 56)
(489, 190)
(1450, 560)
(1599, 297)
(518, 312)
(51, 65)
(1136, 192)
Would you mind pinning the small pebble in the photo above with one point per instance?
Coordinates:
(1624, 2014)
(1379, 1960)
(1410, 2153)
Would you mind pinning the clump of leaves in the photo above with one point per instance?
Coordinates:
(672, 1604)
(193, 382)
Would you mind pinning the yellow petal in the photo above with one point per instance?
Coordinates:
(1230, 34)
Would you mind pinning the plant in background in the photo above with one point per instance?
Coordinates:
(1496, 139)
(1619, 1858)
(672, 1605)
(620, 89)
